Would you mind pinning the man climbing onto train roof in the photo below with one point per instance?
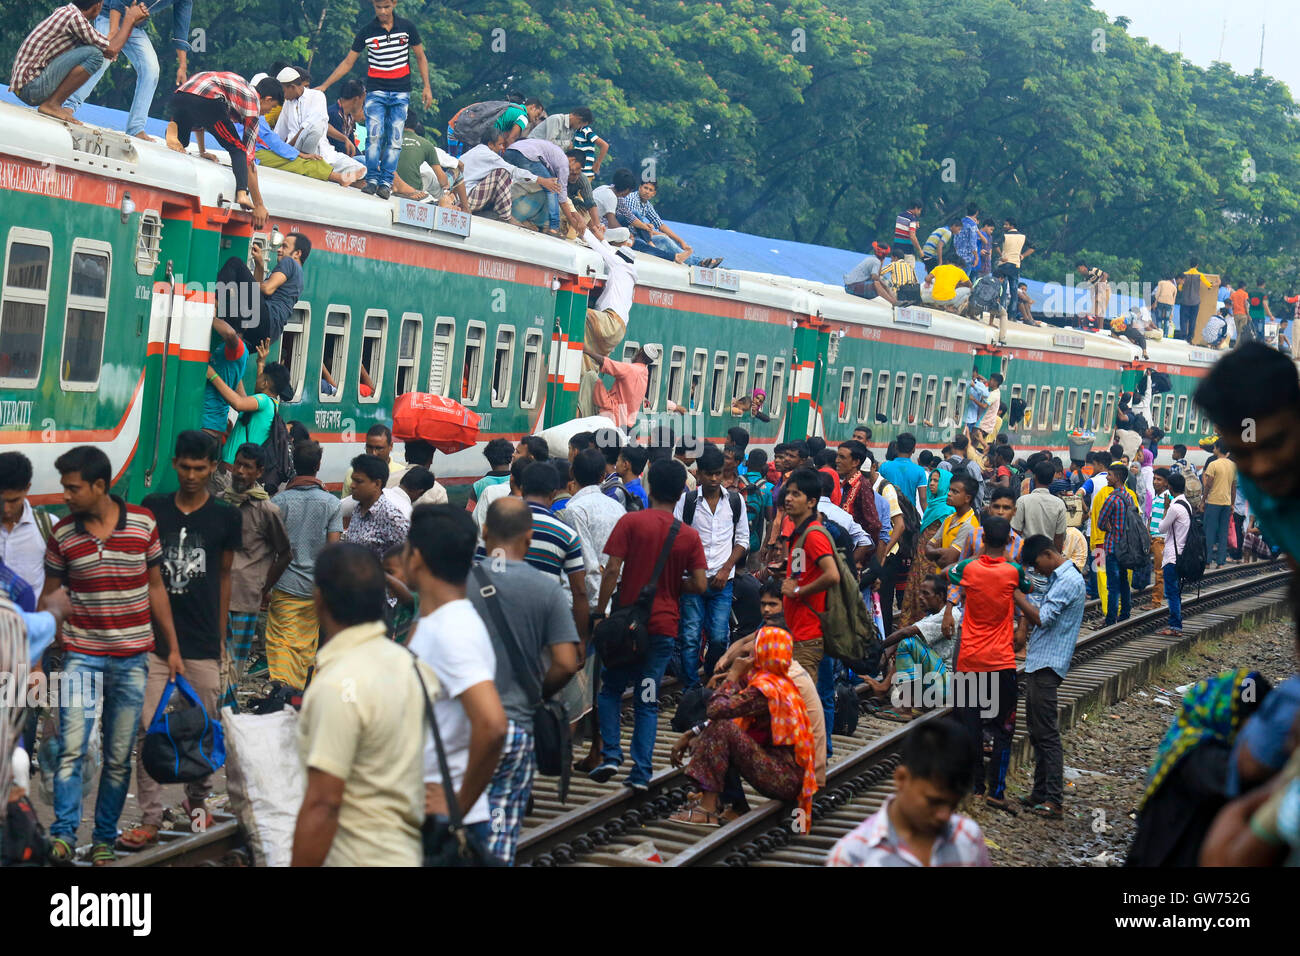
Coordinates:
(560, 128)
(607, 322)
(621, 401)
(274, 298)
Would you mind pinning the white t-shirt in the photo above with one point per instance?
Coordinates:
(606, 201)
(490, 494)
(453, 641)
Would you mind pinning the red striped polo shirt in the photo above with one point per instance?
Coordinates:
(107, 582)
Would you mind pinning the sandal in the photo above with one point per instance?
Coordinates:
(1048, 811)
(137, 838)
(60, 852)
(1169, 632)
(696, 816)
(200, 824)
(892, 715)
(102, 854)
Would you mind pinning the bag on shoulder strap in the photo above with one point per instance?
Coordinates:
(279, 456)
(1191, 560)
(623, 638)
(1134, 547)
(848, 632)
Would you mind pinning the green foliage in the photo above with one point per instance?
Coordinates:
(816, 119)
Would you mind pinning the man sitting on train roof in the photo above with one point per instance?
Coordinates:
(489, 178)
(444, 181)
(62, 53)
(636, 211)
(864, 280)
(275, 153)
(607, 322)
(904, 279)
(304, 124)
(947, 287)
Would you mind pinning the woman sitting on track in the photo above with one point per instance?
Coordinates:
(758, 724)
(936, 509)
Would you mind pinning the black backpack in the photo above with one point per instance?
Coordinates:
(278, 447)
(911, 520)
(1191, 560)
(692, 709)
(846, 709)
(623, 638)
(1134, 546)
(693, 499)
(23, 838)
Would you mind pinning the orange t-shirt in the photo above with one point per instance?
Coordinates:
(801, 613)
(988, 621)
(1240, 299)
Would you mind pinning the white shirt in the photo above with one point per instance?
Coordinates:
(592, 514)
(719, 530)
(453, 641)
(1174, 526)
(620, 284)
(23, 549)
(401, 500)
(480, 161)
(606, 201)
(845, 520)
(490, 494)
(555, 129)
(304, 117)
(437, 495)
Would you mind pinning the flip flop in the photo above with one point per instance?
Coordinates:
(1045, 811)
(102, 854)
(893, 716)
(137, 838)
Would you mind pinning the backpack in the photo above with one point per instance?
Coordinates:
(693, 500)
(1134, 546)
(754, 509)
(985, 295)
(1073, 509)
(848, 632)
(623, 638)
(23, 842)
(911, 520)
(1193, 489)
(846, 709)
(473, 121)
(841, 537)
(279, 469)
(1191, 560)
(692, 708)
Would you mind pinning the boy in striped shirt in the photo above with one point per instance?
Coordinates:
(108, 555)
(1159, 507)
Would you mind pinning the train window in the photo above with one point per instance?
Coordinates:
(864, 396)
(1169, 412)
(471, 370)
(676, 366)
(882, 398)
(1059, 411)
(83, 329)
(740, 381)
(1108, 416)
(444, 335)
(846, 395)
(24, 300)
(503, 360)
(718, 384)
(530, 382)
(927, 412)
(958, 409)
(1043, 418)
(656, 374)
(760, 374)
(1181, 423)
(1085, 405)
(408, 352)
(900, 391)
(334, 352)
(1071, 403)
(260, 253)
(293, 347)
(1096, 411)
(1030, 415)
(945, 404)
(147, 242)
(1193, 421)
(914, 400)
(698, 363)
(630, 349)
(374, 343)
(776, 395)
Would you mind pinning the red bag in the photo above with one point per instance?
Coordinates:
(448, 426)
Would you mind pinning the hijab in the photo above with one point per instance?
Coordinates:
(1146, 480)
(769, 674)
(937, 507)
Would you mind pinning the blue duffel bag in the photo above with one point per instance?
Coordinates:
(184, 746)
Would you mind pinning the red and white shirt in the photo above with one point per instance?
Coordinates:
(875, 842)
(388, 54)
(65, 29)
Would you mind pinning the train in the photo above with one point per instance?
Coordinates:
(111, 251)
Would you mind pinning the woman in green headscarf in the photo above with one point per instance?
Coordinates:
(1186, 785)
(922, 567)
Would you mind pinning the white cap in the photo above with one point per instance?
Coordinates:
(617, 235)
(288, 75)
(258, 78)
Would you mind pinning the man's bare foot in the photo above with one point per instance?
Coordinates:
(174, 143)
(244, 199)
(681, 257)
(145, 136)
(59, 113)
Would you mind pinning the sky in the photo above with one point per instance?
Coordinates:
(1198, 26)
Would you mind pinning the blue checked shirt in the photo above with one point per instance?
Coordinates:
(632, 206)
(1060, 614)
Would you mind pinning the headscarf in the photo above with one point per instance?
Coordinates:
(936, 506)
(773, 651)
(1146, 481)
(1211, 711)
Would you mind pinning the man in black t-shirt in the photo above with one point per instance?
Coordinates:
(388, 41)
(199, 537)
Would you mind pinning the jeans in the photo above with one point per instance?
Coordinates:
(44, 85)
(1164, 318)
(1045, 735)
(1257, 329)
(710, 611)
(640, 245)
(665, 244)
(1187, 320)
(140, 53)
(1116, 591)
(826, 672)
(385, 123)
(1216, 533)
(122, 702)
(648, 675)
(516, 158)
(1174, 596)
(1011, 283)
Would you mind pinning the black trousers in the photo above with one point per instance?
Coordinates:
(1045, 735)
(887, 592)
(1239, 525)
(988, 692)
(237, 288)
(193, 112)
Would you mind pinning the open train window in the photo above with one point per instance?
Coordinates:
(1031, 414)
(1170, 402)
(1181, 422)
(334, 352)
(408, 352)
(718, 384)
(927, 411)
(914, 400)
(83, 329)
(293, 347)
(776, 395)
(900, 392)
(676, 369)
(374, 342)
(1071, 403)
(1059, 411)
(760, 378)
(444, 336)
(630, 349)
(864, 396)
(882, 398)
(1108, 416)
(945, 404)
(503, 361)
(1097, 400)
(846, 395)
(471, 370)
(740, 381)
(1194, 418)
(1085, 406)
(24, 301)
(530, 382)
(699, 361)
(1044, 416)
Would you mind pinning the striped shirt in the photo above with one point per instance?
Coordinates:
(899, 273)
(388, 60)
(1159, 505)
(65, 29)
(555, 547)
(972, 545)
(904, 228)
(1060, 614)
(632, 206)
(107, 581)
(584, 141)
(875, 842)
(15, 664)
(241, 101)
(939, 237)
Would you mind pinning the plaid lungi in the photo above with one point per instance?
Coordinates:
(508, 792)
(492, 192)
(291, 635)
(241, 628)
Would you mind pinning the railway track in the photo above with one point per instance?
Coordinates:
(859, 773)
(598, 821)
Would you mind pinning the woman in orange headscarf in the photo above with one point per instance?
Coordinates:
(758, 726)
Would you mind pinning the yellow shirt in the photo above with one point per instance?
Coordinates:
(363, 721)
(1076, 547)
(946, 278)
(1222, 472)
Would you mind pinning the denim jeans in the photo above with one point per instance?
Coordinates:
(1216, 533)
(648, 676)
(1165, 318)
(516, 158)
(711, 612)
(1117, 591)
(42, 86)
(122, 702)
(640, 245)
(1187, 320)
(826, 672)
(385, 123)
(1174, 596)
(665, 244)
(140, 53)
